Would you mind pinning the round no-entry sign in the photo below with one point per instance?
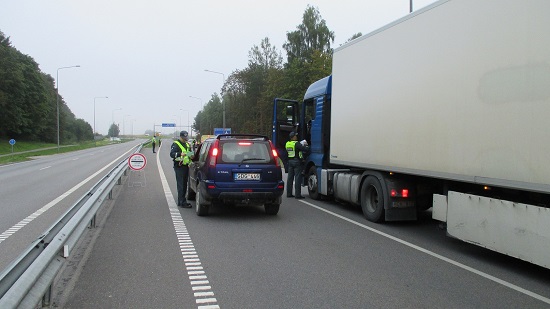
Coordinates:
(137, 161)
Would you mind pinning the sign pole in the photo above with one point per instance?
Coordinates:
(12, 142)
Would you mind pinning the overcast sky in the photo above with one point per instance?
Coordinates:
(149, 57)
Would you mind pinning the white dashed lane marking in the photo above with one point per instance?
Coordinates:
(5, 235)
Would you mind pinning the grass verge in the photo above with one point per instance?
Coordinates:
(41, 149)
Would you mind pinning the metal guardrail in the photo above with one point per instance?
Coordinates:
(28, 279)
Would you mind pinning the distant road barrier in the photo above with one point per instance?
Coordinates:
(28, 280)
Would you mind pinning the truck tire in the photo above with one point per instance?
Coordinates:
(372, 199)
(190, 194)
(200, 207)
(312, 187)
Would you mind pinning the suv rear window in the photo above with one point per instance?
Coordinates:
(240, 151)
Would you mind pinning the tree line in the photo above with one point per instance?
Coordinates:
(248, 93)
(28, 97)
(28, 101)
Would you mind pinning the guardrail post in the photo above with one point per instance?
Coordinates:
(92, 222)
(111, 194)
(119, 181)
(46, 299)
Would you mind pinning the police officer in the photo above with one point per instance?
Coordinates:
(153, 142)
(295, 152)
(181, 154)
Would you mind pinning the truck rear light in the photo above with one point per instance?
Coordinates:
(248, 190)
(280, 186)
(211, 187)
(403, 193)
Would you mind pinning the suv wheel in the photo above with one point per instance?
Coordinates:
(200, 207)
(273, 208)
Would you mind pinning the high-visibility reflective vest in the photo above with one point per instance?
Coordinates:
(291, 150)
(185, 160)
(153, 140)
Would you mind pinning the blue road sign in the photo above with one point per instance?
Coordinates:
(170, 125)
(218, 131)
(12, 142)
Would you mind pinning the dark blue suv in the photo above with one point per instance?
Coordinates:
(236, 169)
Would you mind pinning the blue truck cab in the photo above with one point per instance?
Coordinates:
(311, 120)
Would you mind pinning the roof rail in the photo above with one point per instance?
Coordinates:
(226, 136)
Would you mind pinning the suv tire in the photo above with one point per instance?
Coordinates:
(273, 208)
(200, 207)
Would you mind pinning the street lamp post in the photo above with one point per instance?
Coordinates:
(124, 123)
(180, 120)
(133, 120)
(94, 111)
(188, 125)
(223, 102)
(113, 114)
(175, 121)
(57, 88)
(202, 107)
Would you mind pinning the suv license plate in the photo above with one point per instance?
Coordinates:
(246, 176)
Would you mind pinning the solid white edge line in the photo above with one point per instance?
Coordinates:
(184, 239)
(445, 259)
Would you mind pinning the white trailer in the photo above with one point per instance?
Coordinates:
(459, 91)
(451, 102)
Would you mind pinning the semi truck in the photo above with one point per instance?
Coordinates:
(446, 108)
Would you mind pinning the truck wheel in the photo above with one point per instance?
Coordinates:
(312, 187)
(190, 194)
(372, 199)
(200, 207)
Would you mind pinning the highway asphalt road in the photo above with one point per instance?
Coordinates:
(314, 254)
(35, 194)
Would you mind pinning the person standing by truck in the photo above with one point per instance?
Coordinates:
(153, 142)
(181, 154)
(295, 152)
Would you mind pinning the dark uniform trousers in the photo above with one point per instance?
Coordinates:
(182, 176)
(294, 176)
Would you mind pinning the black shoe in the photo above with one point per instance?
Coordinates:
(186, 205)
(299, 197)
(290, 195)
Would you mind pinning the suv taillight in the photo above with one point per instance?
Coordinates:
(275, 154)
(214, 153)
